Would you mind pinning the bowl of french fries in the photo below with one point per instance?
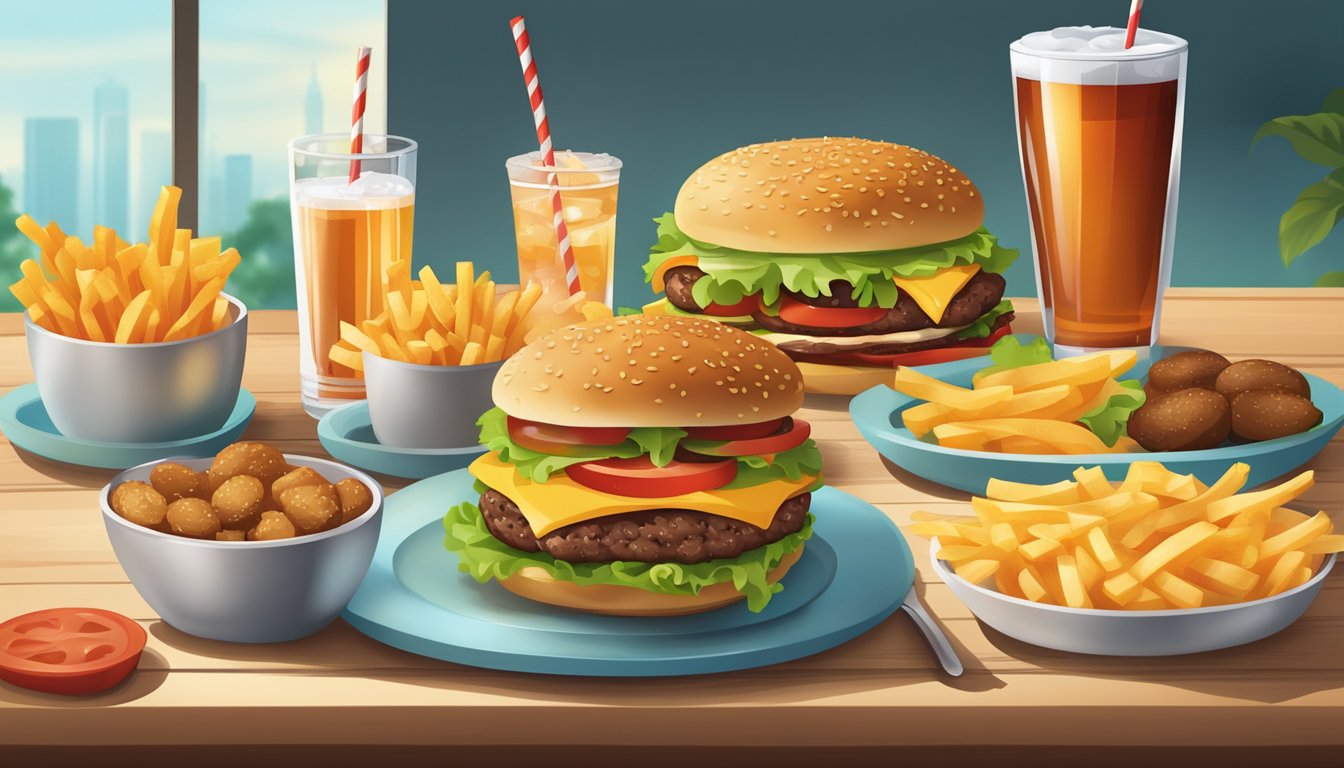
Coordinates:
(429, 359)
(133, 343)
(1157, 564)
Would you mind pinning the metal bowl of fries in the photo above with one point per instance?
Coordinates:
(140, 392)
(427, 406)
(1159, 564)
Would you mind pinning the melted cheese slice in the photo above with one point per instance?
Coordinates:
(934, 293)
(560, 501)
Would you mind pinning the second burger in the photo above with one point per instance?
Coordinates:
(853, 256)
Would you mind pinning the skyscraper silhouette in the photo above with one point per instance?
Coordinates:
(312, 105)
(111, 156)
(51, 171)
(156, 170)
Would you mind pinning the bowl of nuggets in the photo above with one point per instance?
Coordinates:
(252, 545)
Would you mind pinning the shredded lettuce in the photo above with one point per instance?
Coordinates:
(733, 275)
(485, 557)
(660, 443)
(1108, 421)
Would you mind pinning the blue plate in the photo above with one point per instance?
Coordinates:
(854, 572)
(877, 413)
(347, 434)
(25, 422)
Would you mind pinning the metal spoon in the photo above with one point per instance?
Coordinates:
(933, 633)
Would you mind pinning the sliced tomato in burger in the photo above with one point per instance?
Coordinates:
(798, 313)
(560, 440)
(640, 478)
(743, 308)
(790, 436)
(72, 651)
(735, 431)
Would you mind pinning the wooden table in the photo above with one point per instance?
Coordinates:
(348, 694)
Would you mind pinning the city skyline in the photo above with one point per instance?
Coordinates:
(111, 156)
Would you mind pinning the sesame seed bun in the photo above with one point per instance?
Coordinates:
(649, 371)
(828, 195)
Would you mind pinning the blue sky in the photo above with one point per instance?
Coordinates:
(256, 60)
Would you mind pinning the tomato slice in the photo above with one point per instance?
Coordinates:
(798, 313)
(735, 431)
(73, 651)
(743, 308)
(639, 478)
(790, 436)
(559, 441)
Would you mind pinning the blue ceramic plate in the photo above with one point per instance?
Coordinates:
(877, 413)
(25, 422)
(854, 572)
(347, 434)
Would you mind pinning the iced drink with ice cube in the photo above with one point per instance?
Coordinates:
(588, 187)
(345, 237)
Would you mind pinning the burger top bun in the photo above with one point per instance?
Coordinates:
(649, 371)
(828, 195)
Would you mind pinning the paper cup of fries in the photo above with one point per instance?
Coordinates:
(133, 343)
(429, 360)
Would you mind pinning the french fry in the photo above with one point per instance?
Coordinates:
(465, 295)
(915, 384)
(1154, 541)
(471, 355)
(203, 300)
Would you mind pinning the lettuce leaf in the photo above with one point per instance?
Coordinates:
(485, 557)
(1010, 352)
(660, 443)
(1108, 421)
(984, 325)
(734, 275)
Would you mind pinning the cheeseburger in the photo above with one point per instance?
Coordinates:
(852, 256)
(641, 465)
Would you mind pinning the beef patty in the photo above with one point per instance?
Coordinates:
(649, 536)
(980, 294)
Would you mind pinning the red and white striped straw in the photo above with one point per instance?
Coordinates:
(566, 249)
(357, 112)
(1135, 8)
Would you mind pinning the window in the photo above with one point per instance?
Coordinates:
(87, 115)
(270, 72)
(86, 118)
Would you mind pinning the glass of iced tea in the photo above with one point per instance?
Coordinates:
(588, 187)
(345, 236)
(1099, 129)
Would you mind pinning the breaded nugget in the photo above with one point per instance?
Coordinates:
(138, 502)
(193, 518)
(355, 497)
(312, 508)
(238, 501)
(273, 525)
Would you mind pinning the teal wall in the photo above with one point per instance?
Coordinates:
(667, 85)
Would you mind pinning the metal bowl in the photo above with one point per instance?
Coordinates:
(427, 406)
(249, 591)
(1133, 633)
(140, 393)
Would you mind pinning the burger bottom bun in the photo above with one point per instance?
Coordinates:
(822, 379)
(537, 584)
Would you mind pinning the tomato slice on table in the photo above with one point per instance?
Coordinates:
(559, 441)
(73, 651)
(789, 436)
(735, 431)
(798, 313)
(640, 478)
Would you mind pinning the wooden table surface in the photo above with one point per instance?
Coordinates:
(882, 689)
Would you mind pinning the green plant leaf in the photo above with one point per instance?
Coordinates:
(1330, 280)
(1334, 102)
(1318, 138)
(1108, 420)
(1312, 217)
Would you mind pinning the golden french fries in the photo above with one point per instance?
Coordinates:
(1032, 409)
(1158, 540)
(167, 289)
(466, 323)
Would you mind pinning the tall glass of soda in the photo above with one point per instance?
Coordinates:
(346, 234)
(1099, 130)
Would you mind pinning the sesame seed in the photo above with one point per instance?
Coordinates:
(540, 388)
(691, 371)
(636, 382)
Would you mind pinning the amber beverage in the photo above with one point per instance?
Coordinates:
(1099, 128)
(345, 237)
